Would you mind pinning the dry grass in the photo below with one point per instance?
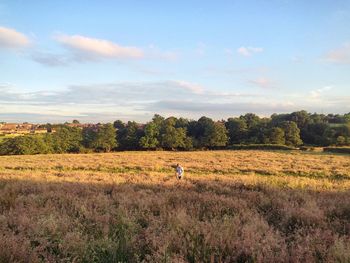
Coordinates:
(232, 206)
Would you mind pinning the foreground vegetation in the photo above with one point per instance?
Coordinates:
(232, 206)
(284, 130)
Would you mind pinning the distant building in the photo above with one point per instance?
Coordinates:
(18, 128)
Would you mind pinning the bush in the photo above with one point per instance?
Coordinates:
(23, 145)
(337, 149)
(260, 147)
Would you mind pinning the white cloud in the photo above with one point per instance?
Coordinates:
(340, 55)
(103, 101)
(96, 48)
(12, 39)
(249, 51)
(140, 100)
(316, 94)
(82, 49)
(192, 87)
(262, 82)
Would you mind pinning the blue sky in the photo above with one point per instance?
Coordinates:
(107, 60)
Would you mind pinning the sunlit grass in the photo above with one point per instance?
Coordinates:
(232, 206)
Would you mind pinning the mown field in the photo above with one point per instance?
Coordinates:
(232, 206)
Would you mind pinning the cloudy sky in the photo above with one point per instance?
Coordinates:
(107, 60)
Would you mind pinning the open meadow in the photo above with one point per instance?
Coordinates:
(232, 206)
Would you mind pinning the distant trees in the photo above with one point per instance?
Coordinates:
(237, 130)
(129, 135)
(316, 129)
(206, 133)
(292, 133)
(100, 139)
(275, 135)
(65, 139)
(23, 145)
(172, 137)
(333, 132)
(173, 133)
(150, 139)
(170, 134)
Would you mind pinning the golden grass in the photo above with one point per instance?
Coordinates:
(232, 206)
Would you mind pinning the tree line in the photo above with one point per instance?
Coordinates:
(294, 129)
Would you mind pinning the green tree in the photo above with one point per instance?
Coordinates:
(347, 117)
(256, 127)
(182, 123)
(256, 134)
(129, 137)
(152, 133)
(292, 133)
(216, 135)
(158, 120)
(150, 139)
(175, 138)
(29, 144)
(251, 120)
(278, 119)
(237, 130)
(172, 137)
(341, 141)
(118, 124)
(207, 134)
(334, 131)
(67, 139)
(276, 136)
(315, 132)
(101, 139)
(301, 118)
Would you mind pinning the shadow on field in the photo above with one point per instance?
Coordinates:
(186, 221)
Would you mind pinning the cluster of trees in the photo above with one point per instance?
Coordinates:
(65, 140)
(172, 133)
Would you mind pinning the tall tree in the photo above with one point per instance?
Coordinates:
(207, 134)
(67, 139)
(292, 133)
(100, 139)
(118, 124)
(172, 137)
(150, 139)
(237, 130)
(129, 137)
(276, 135)
(251, 119)
(23, 145)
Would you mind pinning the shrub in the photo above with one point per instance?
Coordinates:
(23, 145)
(260, 147)
(337, 149)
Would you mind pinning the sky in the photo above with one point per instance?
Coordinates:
(99, 61)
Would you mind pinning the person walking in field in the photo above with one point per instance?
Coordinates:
(179, 171)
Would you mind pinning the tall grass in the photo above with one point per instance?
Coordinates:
(232, 206)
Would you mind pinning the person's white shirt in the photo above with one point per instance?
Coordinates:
(179, 171)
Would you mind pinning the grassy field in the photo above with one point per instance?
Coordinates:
(232, 206)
